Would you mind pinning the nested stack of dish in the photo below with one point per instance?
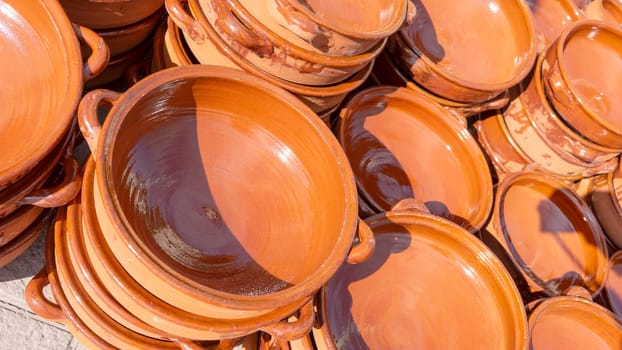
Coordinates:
(320, 51)
(43, 74)
(126, 26)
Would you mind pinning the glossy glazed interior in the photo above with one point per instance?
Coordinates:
(592, 65)
(240, 197)
(552, 16)
(428, 285)
(552, 231)
(403, 145)
(484, 42)
(41, 72)
(573, 324)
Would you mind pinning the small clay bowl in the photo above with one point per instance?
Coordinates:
(605, 10)
(606, 200)
(550, 233)
(109, 14)
(552, 17)
(26, 238)
(336, 28)
(124, 39)
(427, 278)
(244, 35)
(42, 77)
(236, 268)
(582, 92)
(613, 286)
(469, 53)
(402, 144)
(573, 323)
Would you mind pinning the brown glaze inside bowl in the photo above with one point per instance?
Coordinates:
(483, 42)
(41, 75)
(592, 64)
(217, 182)
(571, 323)
(403, 145)
(428, 285)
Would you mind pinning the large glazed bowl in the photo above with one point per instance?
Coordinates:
(42, 75)
(429, 284)
(471, 52)
(402, 144)
(218, 191)
(110, 13)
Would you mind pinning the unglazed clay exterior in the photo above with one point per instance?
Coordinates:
(111, 13)
(401, 144)
(552, 17)
(606, 199)
(429, 284)
(581, 90)
(562, 323)
(550, 233)
(613, 287)
(471, 52)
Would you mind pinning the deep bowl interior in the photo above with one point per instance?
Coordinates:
(41, 75)
(484, 42)
(229, 185)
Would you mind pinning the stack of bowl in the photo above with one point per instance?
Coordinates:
(43, 77)
(319, 51)
(126, 26)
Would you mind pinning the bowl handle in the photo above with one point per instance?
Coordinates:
(184, 20)
(300, 24)
(365, 246)
(100, 54)
(293, 330)
(236, 30)
(37, 301)
(87, 115)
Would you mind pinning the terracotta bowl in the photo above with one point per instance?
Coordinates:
(401, 144)
(154, 232)
(605, 10)
(606, 200)
(613, 286)
(109, 14)
(551, 234)
(585, 94)
(573, 323)
(336, 28)
(169, 48)
(245, 36)
(144, 305)
(43, 77)
(19, 244)
(124, 39)
(552, 17)
(472, 52)
(429, 279)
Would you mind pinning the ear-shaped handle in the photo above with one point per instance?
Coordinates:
(38, 302)
(293, 330)
(100, 54)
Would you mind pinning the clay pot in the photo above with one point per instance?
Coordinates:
(124, 39)
(551, 234)
(336, 28)
(606, 199)
(585, 94)
(170, 48)
(19, 244)
(468, 53)
(43, 78)
(573, 323)
(401, 144)
(243, 34)
(552, 17)
(605, 10)
(613, 286)
(427, 278)
(109, 14)
(146, 307)
(233, 274)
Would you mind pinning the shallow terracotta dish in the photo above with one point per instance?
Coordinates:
(613, 287)
(551, 234)
(552, 17)
(401, 144)
(43, 77)
(124, 39)
(243, 34)
(606, 200)
(469, 53)
(111, 13)
(429, 279)
(579, 87)
(26, 238)
(573, 323)
(333, 28)
(186, 135)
